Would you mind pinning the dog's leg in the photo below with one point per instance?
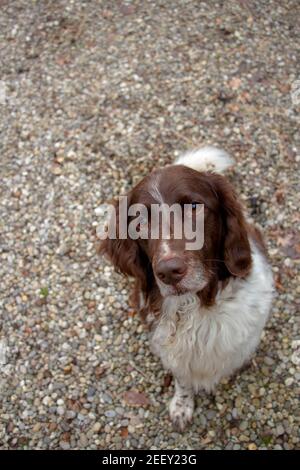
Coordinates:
(182, 405)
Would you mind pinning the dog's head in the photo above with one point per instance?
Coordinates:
(165, 260)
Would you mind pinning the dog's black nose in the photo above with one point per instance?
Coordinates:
(171, 270)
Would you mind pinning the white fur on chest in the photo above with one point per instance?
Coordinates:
(202, 345)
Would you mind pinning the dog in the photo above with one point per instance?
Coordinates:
(205, 308)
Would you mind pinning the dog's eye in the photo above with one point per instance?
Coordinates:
(194, 205)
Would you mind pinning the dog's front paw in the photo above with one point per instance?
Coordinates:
(181, 412)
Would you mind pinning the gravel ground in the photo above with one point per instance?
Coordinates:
(94, 94)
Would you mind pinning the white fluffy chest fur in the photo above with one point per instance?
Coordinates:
(202, 345)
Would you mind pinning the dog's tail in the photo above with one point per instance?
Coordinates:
(206, 159)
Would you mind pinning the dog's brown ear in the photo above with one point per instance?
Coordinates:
(124, 253)
(236, 247)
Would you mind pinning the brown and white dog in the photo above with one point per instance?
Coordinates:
(206, 309)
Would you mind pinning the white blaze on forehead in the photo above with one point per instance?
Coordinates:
(155, 192)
